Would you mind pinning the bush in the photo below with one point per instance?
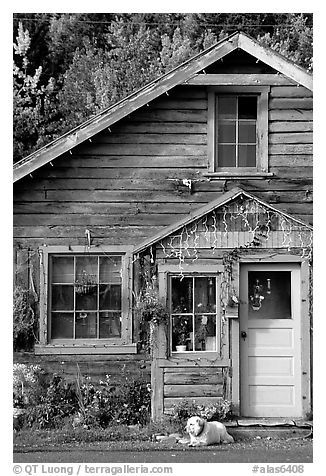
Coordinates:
(82, 403)
(57, 402)
(134, 402)
(127, 404)
(96, 404)
(28, 384)
(24, 325)
(220, 411)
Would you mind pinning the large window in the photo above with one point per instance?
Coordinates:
(238, 130)
(194, 308)
(85, 296)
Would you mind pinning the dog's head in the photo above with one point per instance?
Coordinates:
(195, 425)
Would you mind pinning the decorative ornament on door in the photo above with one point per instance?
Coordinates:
(257, 297)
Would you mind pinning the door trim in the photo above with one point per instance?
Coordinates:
(306, 325)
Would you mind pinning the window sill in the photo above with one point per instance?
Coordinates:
(238, 175)
(96, 348)
(197, 355)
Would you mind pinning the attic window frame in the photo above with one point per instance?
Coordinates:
(261, 169)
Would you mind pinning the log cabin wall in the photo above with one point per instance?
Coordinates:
(126, 183)
(119, 368)
(203, 385)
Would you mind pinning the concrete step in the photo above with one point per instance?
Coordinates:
(269, 422)
(243, 428)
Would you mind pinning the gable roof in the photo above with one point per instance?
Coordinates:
(219, 202)
(159, 86)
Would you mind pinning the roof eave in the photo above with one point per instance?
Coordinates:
(124, 107)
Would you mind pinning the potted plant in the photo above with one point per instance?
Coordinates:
(86, 284)
(181, 335)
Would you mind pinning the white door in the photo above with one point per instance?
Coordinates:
(270, 353)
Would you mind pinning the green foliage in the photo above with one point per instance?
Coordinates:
(32, 101)
(149, 307)
(27, 384)
(133, 402)
(50, 404)
(220, 411)
(24, 322)
(293, 40)
(99, 78)
(176, 50)
(150, 311)
(53, 405)
(127, 404)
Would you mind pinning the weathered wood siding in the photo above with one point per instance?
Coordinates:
(202, 385)
(127, 183)
(119, 368)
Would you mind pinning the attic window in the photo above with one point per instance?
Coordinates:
(236, 124)
(238, 130)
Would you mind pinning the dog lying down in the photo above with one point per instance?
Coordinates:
(204, 433)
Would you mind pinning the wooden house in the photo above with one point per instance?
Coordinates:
(201, 182)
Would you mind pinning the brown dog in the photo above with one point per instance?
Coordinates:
(204, 433)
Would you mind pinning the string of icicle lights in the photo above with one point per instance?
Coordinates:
(240, 224)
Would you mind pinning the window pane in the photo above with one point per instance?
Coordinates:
(87, 300)
(86, 267)
(62, 269)
(247, 131)
(86, 325)
(62, 297)
(226, 156)
(205, 333)
(181, 295)
(275, 288)
(205, 300)
(110, 324)
(110, 269)
(110, 296)
(227, 131)
(226, 107)
(247, 156)
(62, 325)
(182, 332)
(247, 107)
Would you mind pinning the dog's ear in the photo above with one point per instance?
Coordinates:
(200, 422)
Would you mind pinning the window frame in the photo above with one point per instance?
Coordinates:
(217, 313)
(85, 345)
(261, 168)
(195, 269)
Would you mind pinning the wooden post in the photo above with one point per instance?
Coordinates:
(157, 378)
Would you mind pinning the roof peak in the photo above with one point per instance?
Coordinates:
(157, 87)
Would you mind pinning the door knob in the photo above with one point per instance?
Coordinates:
(243, 334)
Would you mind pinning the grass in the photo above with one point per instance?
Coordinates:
(113, 433)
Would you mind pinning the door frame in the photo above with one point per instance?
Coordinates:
(305, 327)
